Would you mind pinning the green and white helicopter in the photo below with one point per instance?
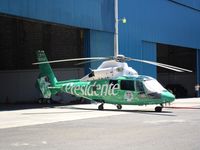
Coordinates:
(113, 82)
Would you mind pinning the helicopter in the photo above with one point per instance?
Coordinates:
(113, 82)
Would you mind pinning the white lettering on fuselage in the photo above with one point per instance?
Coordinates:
(92, 89)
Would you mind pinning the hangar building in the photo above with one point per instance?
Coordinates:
(160, 30)
(167, 31)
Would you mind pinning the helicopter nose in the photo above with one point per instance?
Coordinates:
(167, 96)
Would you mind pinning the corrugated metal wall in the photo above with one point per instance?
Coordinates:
(95, 17)
(97, 44)
(101, 45)
(91, 14)
(194, 4)
(157, 21)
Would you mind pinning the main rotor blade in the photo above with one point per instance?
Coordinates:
(67, 60)
(170, 67)
(90, 61)
(175, 67)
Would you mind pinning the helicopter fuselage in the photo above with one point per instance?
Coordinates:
(132, 90)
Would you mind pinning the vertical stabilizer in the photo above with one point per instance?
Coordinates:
(45, 69)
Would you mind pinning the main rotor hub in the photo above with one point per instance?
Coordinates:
(120, 58)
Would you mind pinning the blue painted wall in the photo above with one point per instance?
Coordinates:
(97, 44)
(194, 4)
(156, 21)
(101, 44)
(91, 14)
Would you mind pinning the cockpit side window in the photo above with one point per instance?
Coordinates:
(139, 86)
(127, 85)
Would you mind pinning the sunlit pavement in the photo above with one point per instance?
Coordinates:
(85, 127)
(34, 116)
(193, 103)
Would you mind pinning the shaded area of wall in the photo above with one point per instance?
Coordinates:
(20, 39)
(19, 86)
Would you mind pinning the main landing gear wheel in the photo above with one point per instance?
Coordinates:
(119, 106)
(101, 107)
(158, 109)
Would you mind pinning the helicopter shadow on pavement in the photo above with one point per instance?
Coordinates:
(148, 112)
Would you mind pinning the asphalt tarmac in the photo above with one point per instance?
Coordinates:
(83, 127)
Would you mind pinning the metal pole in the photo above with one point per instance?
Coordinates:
(116, 49)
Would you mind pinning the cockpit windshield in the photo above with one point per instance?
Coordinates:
(152, 86)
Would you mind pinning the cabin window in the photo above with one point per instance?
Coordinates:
(112, 83)
(127, 85)
(139, 86)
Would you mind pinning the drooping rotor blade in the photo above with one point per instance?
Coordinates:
(175, 67)
(89, 61)
(170, 67)
(67, 60)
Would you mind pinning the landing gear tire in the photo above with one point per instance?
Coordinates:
(158, 109)
(40, 101)
(119, 106)
(100, 107)
(49, 101)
